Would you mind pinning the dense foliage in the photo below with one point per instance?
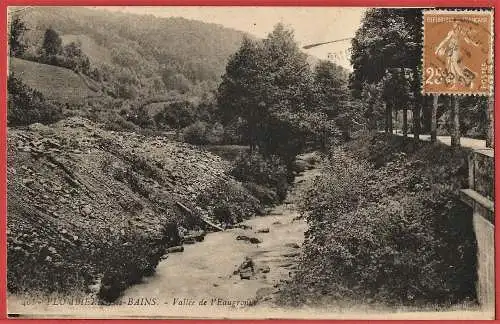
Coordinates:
(402, 220)
(387, 69)
(16, 32)
(172, 53)
(26, 106)
(284, 105)
(267, 178)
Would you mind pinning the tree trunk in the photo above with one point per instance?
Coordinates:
(405, 122)
(490, 130)
(389, 120)
(416, 122)
(435, 99)
(386, 118)
(426, 120)
(455, 119)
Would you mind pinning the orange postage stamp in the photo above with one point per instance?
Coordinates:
(458, 52)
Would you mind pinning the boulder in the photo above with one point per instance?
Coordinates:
(246, 269)
(265, 269)
(252, 240)
(175, 249)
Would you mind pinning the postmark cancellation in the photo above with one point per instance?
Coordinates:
(457, 52)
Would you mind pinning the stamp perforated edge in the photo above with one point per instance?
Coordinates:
(457, 11)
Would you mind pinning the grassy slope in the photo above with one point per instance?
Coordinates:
(55, 83)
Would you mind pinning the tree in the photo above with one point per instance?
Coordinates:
(387, 39)
(16, 43)
(269, 84)
(330, 87)
(26, 105)
(176, 115)
(52, 43)
(455, 119)
(396, 94)
(331, 96)
(291, 121)
(240, 93)
(435, 99)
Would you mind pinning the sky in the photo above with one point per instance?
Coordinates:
(311, 24)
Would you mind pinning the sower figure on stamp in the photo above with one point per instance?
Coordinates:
(450, 48)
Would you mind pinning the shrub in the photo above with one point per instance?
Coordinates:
(270, 173)
(27, 106)
(229, 202)
(401, 220)
(196, 133)
(117, 122)
(176, 115)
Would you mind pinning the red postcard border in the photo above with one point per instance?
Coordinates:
(316, 3)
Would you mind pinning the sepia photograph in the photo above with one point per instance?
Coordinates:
(217, 162)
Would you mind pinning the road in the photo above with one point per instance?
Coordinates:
(475, 144)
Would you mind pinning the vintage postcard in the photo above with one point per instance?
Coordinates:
(250, 163)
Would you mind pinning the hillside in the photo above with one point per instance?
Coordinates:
(84, 202)
(179, 51)
(97, 54)
(55, 83)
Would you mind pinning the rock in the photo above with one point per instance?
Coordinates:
(252, 240)
(246, 274)
(175, 249)
(243, 226)
(255, 240)
(277, 223)
(198, 236)
(265, 269)
(28, 181)
(292, 245)
(86, 210)
(263, 230)
(246, 269)
(48, 258)
(188, 240)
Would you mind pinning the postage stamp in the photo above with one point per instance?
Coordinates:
(457, 52)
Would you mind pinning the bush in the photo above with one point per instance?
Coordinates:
(252, 167)
(117, 122)
(402, 220)
(229, 202)
(176, 115)
(141, 255)
(196, 133)
(27, 106)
